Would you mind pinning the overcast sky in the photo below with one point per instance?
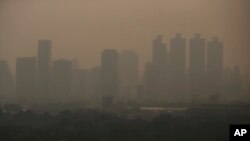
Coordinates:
(83, 28)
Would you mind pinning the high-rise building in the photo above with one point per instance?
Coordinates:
(177, 66)
(6, 81)
(214, 66)
(197, 67)
(43, 69)
(149, 82)
(128, 74)
(159, 59)
(26, 79)
(61, 80)
(160, 71)
(94, 83)
(80, 84)
(236, 79)
(109, 73)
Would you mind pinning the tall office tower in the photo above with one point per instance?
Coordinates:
(61, 81)
(79, 88)
(159, 55)
(128, 74)
(214, 66)
(160, 71)
(43, 69)
(26, 79)
(236, 84)
(227, 83)
(75, 80)
(197, 67)
(233, 84)
(94, 83)
(177, 66)
(148, 82)
(109, 73)
(6, 82)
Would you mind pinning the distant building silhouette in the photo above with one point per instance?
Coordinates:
(149, 81)
(61, 80)
(177, 66)
(227, 83)
(214, 66)
(44, 69)
(79, 84)
(94, 83)
(26, 79)
(6, 81)
(160, 70)
(109, 73)
(128, 74)
(166, 77)
(159, 52)
(197, 67)
(232, 84)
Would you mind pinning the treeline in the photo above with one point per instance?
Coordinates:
(93, 125)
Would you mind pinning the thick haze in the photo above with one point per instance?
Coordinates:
(83, 28)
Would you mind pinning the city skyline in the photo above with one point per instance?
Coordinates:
(168, 43)
(168, 77)
(82, 29)
(126, 70)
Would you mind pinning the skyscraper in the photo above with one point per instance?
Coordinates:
(197, 67)
(76, 80)
(6, 81)
(177, 66)
(26, 79)
(232, 83)
(94, 83)
(159, 53)
(109, 73)
(214, 66)
(128, 74)
(148, 77)
(80, 84)
(43, 69)
(61, 80)
(160, 71)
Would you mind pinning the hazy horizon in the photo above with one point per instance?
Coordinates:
(108, 70)
(83, 28)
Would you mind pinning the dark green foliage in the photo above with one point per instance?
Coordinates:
(99, 126)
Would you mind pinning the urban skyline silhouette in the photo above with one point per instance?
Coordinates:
(124, 70)
(169, 77)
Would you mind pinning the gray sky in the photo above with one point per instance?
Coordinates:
(83, 28)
